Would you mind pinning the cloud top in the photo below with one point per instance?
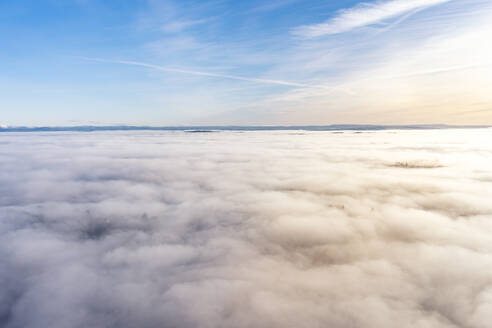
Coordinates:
(246, 229)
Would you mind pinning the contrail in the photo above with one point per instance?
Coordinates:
(184, 71)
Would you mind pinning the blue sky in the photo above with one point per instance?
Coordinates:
(155, 62)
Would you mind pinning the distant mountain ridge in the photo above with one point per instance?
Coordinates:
(334, 127)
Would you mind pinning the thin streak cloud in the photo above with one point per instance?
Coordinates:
(180, 25)
(200, 73)
(362, 15)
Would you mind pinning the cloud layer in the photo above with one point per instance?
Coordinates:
(256, 229)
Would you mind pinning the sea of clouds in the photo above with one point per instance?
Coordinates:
(156, 229)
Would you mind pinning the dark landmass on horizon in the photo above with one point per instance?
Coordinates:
(195, 129)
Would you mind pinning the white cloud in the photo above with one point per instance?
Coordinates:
(258, 229)
(362, 15)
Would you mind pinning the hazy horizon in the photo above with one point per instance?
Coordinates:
(328, 127)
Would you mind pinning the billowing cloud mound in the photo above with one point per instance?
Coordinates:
(255, 229)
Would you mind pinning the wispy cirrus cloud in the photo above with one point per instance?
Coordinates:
(362, 15)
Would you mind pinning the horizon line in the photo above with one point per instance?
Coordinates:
(212, 128)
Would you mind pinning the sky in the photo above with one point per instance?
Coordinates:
(222, 62)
